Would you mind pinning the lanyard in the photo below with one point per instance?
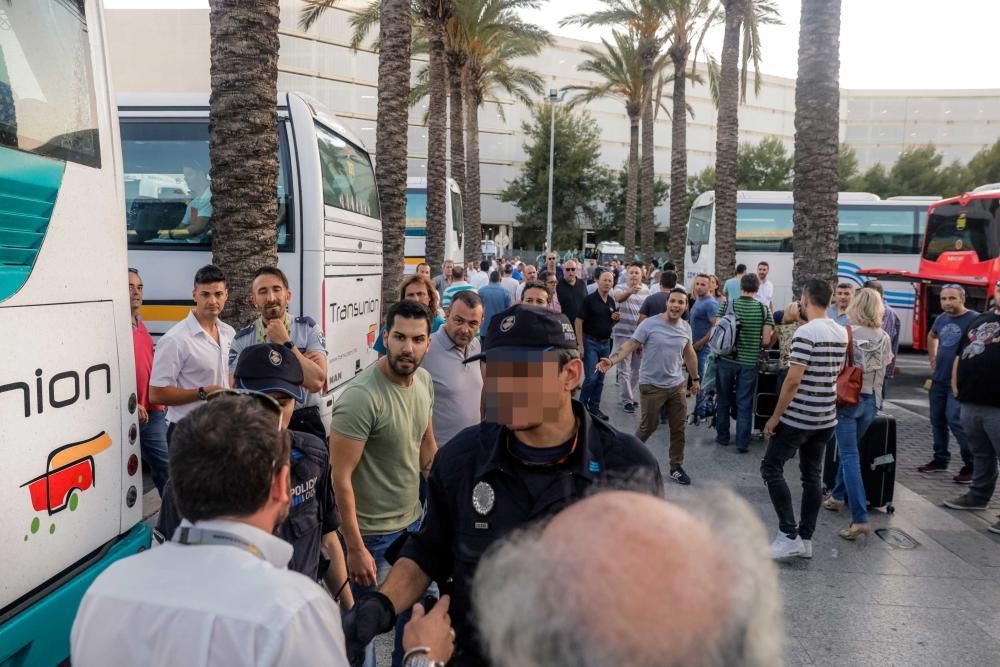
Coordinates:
(262, 335)
(198, 537)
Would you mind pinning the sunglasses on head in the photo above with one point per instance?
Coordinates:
(263, 400)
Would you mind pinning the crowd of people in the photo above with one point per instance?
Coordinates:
(452, 497)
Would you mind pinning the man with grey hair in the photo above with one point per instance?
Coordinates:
(552, 597)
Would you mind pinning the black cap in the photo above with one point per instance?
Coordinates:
(269, 367)
(529, 329)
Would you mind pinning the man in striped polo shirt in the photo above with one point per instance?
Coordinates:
(630, 298)
(803, 420)
(737, 373)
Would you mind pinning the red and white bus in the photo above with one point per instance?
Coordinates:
(962, 247)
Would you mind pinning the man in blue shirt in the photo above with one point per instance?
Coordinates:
(942, 346)
(495, 299)
(731, 288)
(704, 314)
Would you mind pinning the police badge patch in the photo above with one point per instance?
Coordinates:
(274, 357)
(507, 324)
(483, 498)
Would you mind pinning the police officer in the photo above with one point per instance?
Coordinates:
(270, 295)
(537, 452)
(274, 371)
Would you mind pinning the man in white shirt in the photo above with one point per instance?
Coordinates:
(480, 278)
(509, 283)
(530, 274)
(765, 294)
(219, 593)
(192, 359)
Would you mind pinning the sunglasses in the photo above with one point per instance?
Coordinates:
(261, 399)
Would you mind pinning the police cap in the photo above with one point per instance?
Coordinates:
(269, 367)
(526, 330)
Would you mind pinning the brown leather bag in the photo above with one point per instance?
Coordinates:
(850, 379)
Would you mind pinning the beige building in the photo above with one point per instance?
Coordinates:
(166, 50)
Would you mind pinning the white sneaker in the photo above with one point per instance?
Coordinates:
(807, 549)
(784, 547)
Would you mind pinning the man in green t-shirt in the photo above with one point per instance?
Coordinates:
(736, 374)
(381, 440)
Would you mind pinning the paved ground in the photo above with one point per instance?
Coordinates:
(935, 604)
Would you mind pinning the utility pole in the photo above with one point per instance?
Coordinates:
(552, 99)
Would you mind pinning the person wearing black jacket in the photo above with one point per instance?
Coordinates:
(537, 452)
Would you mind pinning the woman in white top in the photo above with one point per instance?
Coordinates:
(872, 353)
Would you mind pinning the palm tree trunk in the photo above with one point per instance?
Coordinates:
(727, 141)
(243, 140)
(473, 228)
(646, 173)
(817, 120)
(456, 111)
(678, 163)
(632, 184)
(437, 149)
(390, 139)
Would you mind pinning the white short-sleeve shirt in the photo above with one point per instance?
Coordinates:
(212, 604)
(187, 357)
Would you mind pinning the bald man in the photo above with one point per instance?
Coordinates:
(623, 578)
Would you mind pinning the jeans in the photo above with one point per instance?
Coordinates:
(377, 545)
(783, 444)
(674, 400)
(852, 423)
(945, 414)
(982, 425)
(153, 446)
(699, 403)
(593, 383)
(739, 381)
(628, 372)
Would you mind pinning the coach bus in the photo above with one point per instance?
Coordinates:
(416, 223)
(70, 478)
(874, 233)
(329, 226)
(961, 246)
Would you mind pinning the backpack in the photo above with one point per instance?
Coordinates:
(723, 339)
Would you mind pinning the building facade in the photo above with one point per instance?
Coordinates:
(167, 50)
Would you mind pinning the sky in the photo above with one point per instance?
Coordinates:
(884, 44)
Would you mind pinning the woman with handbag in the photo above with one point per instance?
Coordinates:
(859, 393)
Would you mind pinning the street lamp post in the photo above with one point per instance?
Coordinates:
(552, 98)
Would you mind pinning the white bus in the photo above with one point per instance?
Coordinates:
(70, 478)
(329, 229)
(874, 233)
(416, 223)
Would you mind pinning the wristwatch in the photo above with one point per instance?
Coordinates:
(202, 394)
(421, 661)
(289, 344)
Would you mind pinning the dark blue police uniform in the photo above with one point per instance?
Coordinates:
(476, 496)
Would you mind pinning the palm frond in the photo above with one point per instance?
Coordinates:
(363, 22)
(312, 10)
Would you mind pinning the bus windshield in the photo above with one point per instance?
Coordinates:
(953, 228)
(47, 101)
(700, 225)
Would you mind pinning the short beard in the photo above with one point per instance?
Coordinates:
(393, 361)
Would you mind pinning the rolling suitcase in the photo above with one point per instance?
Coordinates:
(877, 451)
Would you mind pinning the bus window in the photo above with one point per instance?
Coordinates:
(457, 215)
(416, 209)
(699, 229)
(764, 228)
(168, 195)
(348, 177)
(882, 231)
(47, 102)
(952, 228)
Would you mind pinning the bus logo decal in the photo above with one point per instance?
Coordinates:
(372, 330)
(68, 468)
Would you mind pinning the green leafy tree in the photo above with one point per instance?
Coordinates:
(580, 183)
(847, 169)
(764, 166)
(703, 181)
(984, 167)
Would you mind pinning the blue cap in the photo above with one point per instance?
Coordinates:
(523, 329)
(270, 368)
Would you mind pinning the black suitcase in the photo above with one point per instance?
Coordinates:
(878, 461)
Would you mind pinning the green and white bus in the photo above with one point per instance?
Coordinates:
(70, 479)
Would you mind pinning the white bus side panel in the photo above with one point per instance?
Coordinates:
(63, 440)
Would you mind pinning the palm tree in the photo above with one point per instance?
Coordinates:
(392, 121)
(742, 17)
(243, 138)
(620, 67)
(688, 20)
(455, 54)
(646, 19)
(817, 121)
(492, 35)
